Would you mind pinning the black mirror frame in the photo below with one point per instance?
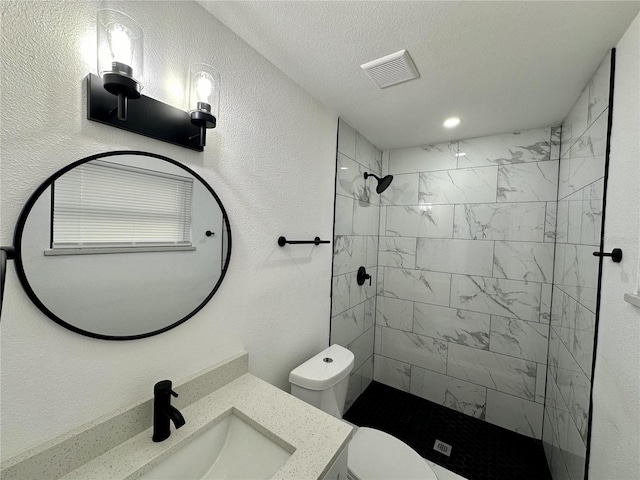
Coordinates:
(17, 242)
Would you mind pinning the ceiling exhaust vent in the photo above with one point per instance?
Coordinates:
(392, 69)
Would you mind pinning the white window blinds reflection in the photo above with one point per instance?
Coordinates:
(104, 204)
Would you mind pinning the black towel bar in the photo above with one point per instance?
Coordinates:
(282, 241)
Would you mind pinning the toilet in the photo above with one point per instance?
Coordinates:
(323, 381)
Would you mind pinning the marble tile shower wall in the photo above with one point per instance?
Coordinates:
(579, 221)
(357, 212)
(465, 269)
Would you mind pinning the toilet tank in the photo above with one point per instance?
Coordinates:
(323, 380)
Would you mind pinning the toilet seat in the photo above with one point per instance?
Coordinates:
(375, 455)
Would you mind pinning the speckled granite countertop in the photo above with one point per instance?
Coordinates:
(118, 445)
(317, 438)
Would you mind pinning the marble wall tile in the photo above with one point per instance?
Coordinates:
(382, 231)
(349, 252)
(599, 90)
(518, 338)
(550, 222)
(380, 282)
(346, 139)
(348, 325)
(350, 180)
(377, 336)
(368, 155)
(528, 182)
(553, 356)
(541, 377)
(574, 228)
(372, 250)
(580, 267)
(575, 122)
(575, 389)
(562, 225)
(493, 370)
(427, 158)
(343, 223)
(453, 325)
(579, 343)
(362, 348)
(514, 413)
(392, 372)
(557, 467)
(472, 257)
(575, 453)
(545, 303)
(346, 292)
(507, 298)
(580, 172)
(366, 218)
(532, 262)
(434, 221)
(558, 264)
(587, 296)
(340, 294)
(456, 394)
(593, 142)
(402, 191)
(566, 361)
(504, 221)
(417, 285)
(517, 147)
(394, 313)
(591, 217)
(397, 252)
(467, 185)
(369, 313)
(584, 319)
(547, 437)
(414, 349)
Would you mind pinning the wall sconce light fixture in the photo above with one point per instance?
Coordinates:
(120, 66)
(204, 98)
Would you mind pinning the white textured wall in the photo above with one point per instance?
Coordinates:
(615, 443)
(271, 160)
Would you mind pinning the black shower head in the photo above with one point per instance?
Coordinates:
(383, 183)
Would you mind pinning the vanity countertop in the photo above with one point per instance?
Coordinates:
(317, 438)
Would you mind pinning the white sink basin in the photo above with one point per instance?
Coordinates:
(231, 449)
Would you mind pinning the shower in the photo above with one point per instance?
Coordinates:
(383, 183)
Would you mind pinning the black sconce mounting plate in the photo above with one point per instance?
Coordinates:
(146, 116)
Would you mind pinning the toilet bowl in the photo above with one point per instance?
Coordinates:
(323, 381)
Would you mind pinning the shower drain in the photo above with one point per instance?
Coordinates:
(442, 447)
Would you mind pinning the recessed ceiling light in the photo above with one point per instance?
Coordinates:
(461, 154)
(451, 122)
(344, 168)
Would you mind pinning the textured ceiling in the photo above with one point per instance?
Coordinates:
(500, 66)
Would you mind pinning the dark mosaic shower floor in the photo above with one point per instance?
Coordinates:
(481, 451)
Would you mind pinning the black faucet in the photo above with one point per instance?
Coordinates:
(163, 411)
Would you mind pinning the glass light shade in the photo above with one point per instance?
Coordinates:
(204, 89)
(120, 44)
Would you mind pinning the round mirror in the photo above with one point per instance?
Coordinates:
(122, 245)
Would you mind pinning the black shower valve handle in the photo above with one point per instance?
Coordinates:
(362, 276)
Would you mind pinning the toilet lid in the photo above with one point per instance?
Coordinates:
(375, 455)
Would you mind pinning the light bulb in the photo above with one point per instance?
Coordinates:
(204, 87)
(120, 43)
(451, 122)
